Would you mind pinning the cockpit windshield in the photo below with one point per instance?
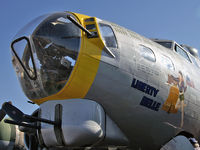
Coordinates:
(165, 44)
(45, 57)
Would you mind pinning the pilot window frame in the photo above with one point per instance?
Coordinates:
(182, 52)
(142, 47)
(113, 35)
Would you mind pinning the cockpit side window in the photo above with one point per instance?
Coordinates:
(147, 53)
(108, 35)
(182, 52)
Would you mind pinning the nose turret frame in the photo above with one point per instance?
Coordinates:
(46, 54)
(86, 67)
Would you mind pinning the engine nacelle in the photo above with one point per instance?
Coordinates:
(10, 137)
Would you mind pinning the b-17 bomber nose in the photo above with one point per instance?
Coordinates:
(45, 55)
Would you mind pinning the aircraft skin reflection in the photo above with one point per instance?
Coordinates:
(106, 85)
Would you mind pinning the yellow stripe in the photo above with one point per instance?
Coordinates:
(84, 71)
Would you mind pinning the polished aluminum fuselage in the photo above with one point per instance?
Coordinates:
(144, 127)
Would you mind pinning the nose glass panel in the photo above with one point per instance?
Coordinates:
(54, 45)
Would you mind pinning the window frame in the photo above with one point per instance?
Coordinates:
(147, 48)
(34, 76)
(175, 48)
(162, 55)
(108, 25)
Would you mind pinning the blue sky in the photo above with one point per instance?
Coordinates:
(178, 20)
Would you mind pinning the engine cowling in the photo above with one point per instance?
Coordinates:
(10, 137)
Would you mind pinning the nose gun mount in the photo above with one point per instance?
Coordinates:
(21, 119)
